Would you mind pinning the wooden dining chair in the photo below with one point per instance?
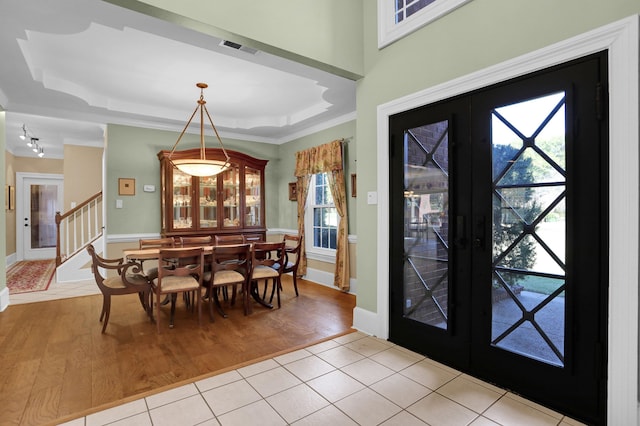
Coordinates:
(264, 257)
(199, 241)
(230, 266)
(130, 280)
(152, 243)
(293, 243)
(185, 277)
(221, 240)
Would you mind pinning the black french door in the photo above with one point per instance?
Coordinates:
(498, 249)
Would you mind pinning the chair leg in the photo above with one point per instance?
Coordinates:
(216, 300)
(295, 282)
(174, 298)
(158, 304)
(278, 284)
(106, 310)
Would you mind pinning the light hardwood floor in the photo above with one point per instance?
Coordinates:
(57, 363)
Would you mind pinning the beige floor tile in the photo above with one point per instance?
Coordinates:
(230, 397)
(335, 385)
(297, 402)
(483, 421)
(367, 371)
(403, 418)
(292, 356)
(395, 359)
(367, 407)
(400, 390)
(257, 413)
(76, 422)
(369, 346)
(273, 381)
(309, 368)
(483, 383)
(329, 415)
(436, 410)
(219, 380)
(509, 411)
(321, 347)
(141, 419)
(340, 356)
(428, 374)
(258, 367)
(535, 406)
(171, 395)
(117, 413)
(348, 338)
(470, 394)
(188, 411)
(567, 421)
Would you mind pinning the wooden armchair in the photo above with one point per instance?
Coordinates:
(293, 243)
(159, 243)
(267, 263)
(129, 280)
(230, 266)
(185, 277)
(225, 240)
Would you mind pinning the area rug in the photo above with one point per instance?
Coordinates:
(30, 275)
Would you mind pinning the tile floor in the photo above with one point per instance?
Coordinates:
(56, 291)
(351, 380)
(355, 379)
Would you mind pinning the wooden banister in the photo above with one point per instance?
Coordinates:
(75, 219)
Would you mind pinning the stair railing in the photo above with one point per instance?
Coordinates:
(78, 227)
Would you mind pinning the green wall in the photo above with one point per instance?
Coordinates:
(326, 34)
(287, 213)
(479, 34)
(132, 153)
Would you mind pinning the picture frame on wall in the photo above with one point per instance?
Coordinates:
(126, 186)
(293, 191)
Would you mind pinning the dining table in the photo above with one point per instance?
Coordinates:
(154, 254)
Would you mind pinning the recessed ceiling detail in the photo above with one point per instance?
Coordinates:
(91, 62)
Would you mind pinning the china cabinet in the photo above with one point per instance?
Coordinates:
(231, 202)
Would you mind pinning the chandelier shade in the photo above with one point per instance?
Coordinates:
(200, 166)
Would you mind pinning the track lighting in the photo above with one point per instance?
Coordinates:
(32, 141)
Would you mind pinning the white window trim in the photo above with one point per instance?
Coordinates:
(389, 31)
(315, 253)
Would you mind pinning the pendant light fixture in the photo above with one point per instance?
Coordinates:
(200, 166)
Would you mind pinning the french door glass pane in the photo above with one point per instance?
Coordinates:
(426, 230)
(44, 204)
(529, 228)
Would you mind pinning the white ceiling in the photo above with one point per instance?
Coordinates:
(69, 67)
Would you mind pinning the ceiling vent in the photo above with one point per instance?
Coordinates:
(237, 46)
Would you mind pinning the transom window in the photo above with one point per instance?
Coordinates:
(397, 18)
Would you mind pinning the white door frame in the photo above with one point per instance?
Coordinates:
(20, 213)
(621, 39)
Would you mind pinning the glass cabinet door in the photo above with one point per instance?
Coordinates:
(208, 202)
(230, 194)
(253, 183)
(182, 212)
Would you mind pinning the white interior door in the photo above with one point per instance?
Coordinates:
(41, 196)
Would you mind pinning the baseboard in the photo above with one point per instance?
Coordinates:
(11, 259)
(366, 321)
(4, 299)
(326, 279)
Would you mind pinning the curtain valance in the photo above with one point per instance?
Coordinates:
(319, 159)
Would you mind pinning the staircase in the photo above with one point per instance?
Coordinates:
(76, 229)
